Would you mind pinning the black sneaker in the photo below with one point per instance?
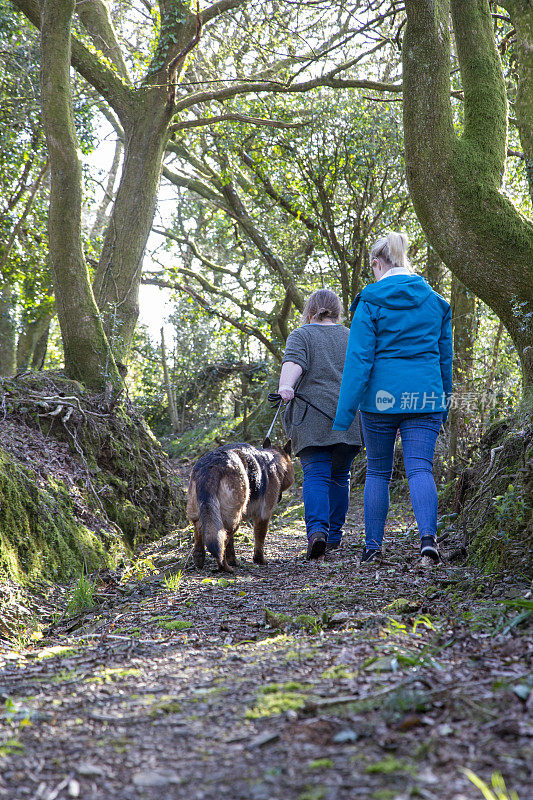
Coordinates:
(316, 546)
(429, 548)
(333, 546)
(368, 555)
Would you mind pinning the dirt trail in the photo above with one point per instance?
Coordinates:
(376, 683)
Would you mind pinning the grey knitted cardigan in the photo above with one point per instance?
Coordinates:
(320, 350)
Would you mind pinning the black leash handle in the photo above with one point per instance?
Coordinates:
(276, 401)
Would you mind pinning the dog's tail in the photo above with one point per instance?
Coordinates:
(212, 526)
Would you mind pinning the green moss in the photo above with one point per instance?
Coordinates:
(321, 763)
(275, 699)
(166, 707)
(290, 686)
(402, 606)
(389, 766)
(40, 536)
(133, 521)
(313, 793)
(338, 672)
(109, 675)
(284, 621)
(176, 625)
(56, 651)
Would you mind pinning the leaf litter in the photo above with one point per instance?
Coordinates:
(289, 681)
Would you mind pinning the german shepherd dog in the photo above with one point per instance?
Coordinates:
(234, 482)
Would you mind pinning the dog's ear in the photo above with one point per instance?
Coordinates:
(267, 443)
(287, 447)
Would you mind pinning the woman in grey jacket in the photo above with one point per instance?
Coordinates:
(312, 365)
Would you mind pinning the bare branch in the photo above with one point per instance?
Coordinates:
(241, 326)
(285, 88)
(200, 256)
(94, 15)
(218, 8)
(233, 117)
(105, 80)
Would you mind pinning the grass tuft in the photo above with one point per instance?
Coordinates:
(82, 597)
(172, 582)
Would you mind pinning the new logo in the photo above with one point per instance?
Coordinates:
(384, 400)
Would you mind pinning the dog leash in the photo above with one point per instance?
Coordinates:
(273, 397)
(277, 402)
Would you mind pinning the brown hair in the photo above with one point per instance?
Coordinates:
(322, 304)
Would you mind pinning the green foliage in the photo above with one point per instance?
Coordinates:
(172, 582)
(139, 569)
(23, 173)
(510, 508)
(306, 622)
(11, 747)
(525, 615)
(497, 789)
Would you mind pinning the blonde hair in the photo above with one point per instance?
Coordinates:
(322, 304)
(392, 249)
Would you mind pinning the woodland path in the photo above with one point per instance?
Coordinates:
(188, 693)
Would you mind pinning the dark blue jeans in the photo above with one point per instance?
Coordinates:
(419, 435)
(326, 487)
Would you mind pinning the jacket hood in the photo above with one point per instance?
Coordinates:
(398, 291)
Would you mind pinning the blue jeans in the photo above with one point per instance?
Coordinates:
(419, 435)
(326, 488)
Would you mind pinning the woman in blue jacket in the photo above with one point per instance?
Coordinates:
(398, 371)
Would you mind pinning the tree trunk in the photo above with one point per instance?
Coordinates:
(492, 373)
(145, 113)
(32, 332)
(88, 357)
(172, 408)
(117, 279)
(8, 353)
(455, 181)
(101, 218)
(434, 270)
(39, 352)
(463, 305)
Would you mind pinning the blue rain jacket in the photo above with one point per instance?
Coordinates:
(399, 357)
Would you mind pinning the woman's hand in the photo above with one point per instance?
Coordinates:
(286, 392)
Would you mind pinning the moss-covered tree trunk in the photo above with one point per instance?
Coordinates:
(455, 181)
(145, 113)
(8, 352)
(521, 13)
(117, 279)
(88, 357)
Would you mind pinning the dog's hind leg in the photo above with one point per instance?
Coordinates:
(230, 556)
(260, 529)
(198, 553)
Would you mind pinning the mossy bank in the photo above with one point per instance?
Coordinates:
(494, 497)
(82, 480)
